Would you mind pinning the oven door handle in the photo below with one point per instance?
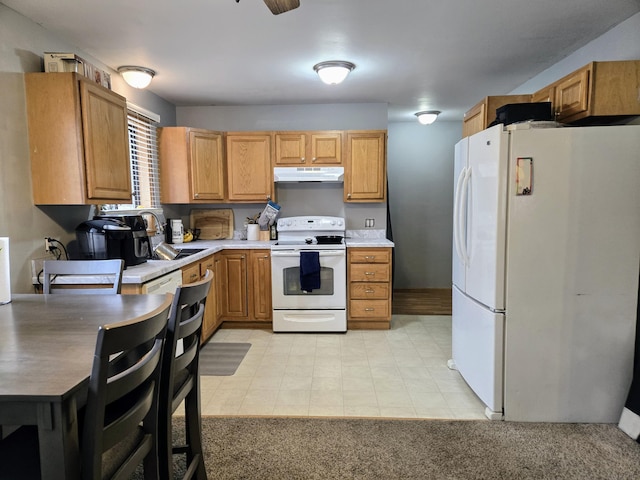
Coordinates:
(323, 253)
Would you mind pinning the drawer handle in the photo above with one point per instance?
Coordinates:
(370, 257)
(369, 273)
(369, 309)
(369, 291)
(194, 277)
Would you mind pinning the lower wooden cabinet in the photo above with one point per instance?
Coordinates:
(261, 284)
(235, 293)
(246, 291)
(194, 272)
(369, 288)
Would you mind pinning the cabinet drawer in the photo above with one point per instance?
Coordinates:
(206, 264)
(366, 290)
(191, 273)
(369, 309)
(369, 272)
(377, 255)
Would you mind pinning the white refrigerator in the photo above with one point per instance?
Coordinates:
(545, 270)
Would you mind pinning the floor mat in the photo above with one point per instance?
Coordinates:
(222, 358)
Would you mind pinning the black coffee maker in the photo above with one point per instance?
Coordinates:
(116, 236)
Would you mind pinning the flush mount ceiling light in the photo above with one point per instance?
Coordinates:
(427, 117)
(334, 71)
(137, 77)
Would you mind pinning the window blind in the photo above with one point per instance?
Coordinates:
(143, 149)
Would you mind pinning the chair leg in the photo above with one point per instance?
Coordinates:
(165, 449)
(193, 432)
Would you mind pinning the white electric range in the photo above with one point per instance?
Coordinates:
(315, 242)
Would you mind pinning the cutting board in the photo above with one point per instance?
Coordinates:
(214, 224)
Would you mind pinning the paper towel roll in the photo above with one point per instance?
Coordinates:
(5, 272)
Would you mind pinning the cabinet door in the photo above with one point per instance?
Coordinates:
(106, 143)
(547, 94)
(207, 173)
(221, 286)
(261, 275)
(291, 148)
(365, 173)
(326, 148)
(572, 94)
(250, 175)
(474, 120)
(209, 321)
(236, 301)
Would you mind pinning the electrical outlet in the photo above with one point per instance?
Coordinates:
(369, 222)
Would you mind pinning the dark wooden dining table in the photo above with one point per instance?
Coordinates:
(47, 344)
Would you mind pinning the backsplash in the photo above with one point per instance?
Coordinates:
(367, 233)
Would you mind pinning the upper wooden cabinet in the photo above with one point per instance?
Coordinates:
(308, 148)
(366, 166)
(78, 140)
(249, 167)
(484, 112)
(595, 92)
(191, 165)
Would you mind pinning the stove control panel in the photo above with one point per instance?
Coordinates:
(310, 224)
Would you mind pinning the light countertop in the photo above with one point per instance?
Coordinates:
(154, 268)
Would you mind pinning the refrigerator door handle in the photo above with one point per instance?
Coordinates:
(456, 214)
(463, 216)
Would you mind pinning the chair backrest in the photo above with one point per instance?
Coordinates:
(185, 326)
(108, 269)
(122, 404)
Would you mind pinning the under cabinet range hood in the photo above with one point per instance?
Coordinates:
(308, 174)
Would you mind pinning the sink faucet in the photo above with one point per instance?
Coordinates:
(160, 224)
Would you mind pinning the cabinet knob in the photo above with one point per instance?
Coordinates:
(302, 160)
(314, 159)
(348, 195)
(197, 195)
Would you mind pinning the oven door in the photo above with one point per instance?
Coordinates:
(285, 276)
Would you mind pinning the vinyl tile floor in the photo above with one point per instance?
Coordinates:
(396, 373)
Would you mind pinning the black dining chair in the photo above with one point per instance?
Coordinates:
(181, 380)
(121, 416)
(111, 269)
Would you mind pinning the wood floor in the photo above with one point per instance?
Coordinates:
(422, 301)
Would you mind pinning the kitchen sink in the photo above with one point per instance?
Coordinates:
(185, 252)
(182, 253)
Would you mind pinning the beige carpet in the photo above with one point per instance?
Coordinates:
(335, 448)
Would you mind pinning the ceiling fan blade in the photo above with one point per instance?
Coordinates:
(281, 6)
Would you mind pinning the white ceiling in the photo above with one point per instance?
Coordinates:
(412, 54)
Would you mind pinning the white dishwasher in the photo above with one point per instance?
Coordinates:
(164, 284)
